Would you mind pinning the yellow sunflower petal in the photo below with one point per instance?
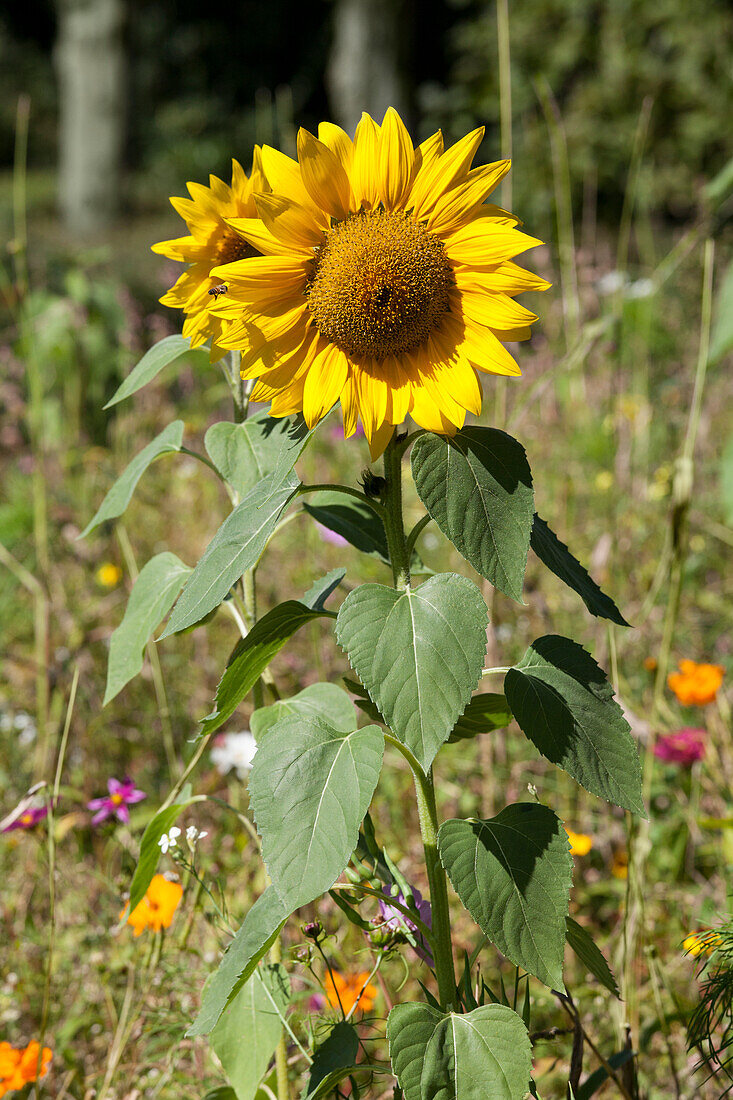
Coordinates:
(323, 176)
(507, 277)
(486, 247)
(365, 168)
(349, 406)
(290, 223)
(427, 413)
(496, 311)
(480, 346)
(396, 159)
(440, 174)
(284, 178)
(338, 141)
(378, 441)
(324, 382)
(451, 210)
(256, 233)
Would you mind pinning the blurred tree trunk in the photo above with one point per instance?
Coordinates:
(91, 72)
(367, 69)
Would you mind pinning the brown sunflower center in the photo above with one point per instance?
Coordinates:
(380, 285)
(232, 247)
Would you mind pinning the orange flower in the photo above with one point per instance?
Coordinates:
(580, 843)
(694, 684)
(18, 1067)
(650, 664)
(346, 990)
(701, 943)
(157, 907)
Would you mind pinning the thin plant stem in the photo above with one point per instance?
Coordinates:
(495, 671)
(506, 144)
(565, 235)
(404, 909)
(50, 805)
(374, 970)
(330, 487)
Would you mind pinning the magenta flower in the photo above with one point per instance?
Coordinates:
(683, 747)
(27, 819)
(398, 922)
(331, 536)
(121, 795)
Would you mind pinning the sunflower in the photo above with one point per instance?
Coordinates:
(211, 241)
(384, 280)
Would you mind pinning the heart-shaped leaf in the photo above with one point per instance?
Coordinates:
(418, 652)
(261, 445)
(152, 597)
(564, 704)
(477, 486)
(256, 935)
(116, 501)
(309, 789)
(326, 701)
(513, 873)
(445, 1056)
(560, 561)
(235, 547)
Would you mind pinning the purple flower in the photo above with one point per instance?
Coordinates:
(683, 747)
(121, 795)
(398, 922)
(26, 819)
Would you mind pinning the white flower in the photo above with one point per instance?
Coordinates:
(235, 750)
(611, 282)
(169, 840)
(642, 288)
(193, 836)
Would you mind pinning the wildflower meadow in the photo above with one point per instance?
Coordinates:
(365, 707)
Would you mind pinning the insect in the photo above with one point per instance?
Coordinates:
(217, 290)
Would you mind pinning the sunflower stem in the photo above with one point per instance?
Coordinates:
(393, 525)
(424, 788)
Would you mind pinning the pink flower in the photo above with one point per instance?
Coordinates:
(27, 819)
(331, 536)
(683, 747)
(121, 795)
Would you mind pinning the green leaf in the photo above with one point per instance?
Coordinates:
(437, 1056)
(419, 653)
(565, 706)
(326, 701)
(249, 1029)
(721, 339)
(352, 519)
(235, 547)
(151, 364)
(256, 935)
(513, 873)
(558, 559)
(332, 1060)
(152, 597)
(222, 1092)
(252, 655)
(150, 849)
(477, 486)
(309, 789)
(484, 713)
(320, 590)
(590, 955)
(114, 504)
(245, 453)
